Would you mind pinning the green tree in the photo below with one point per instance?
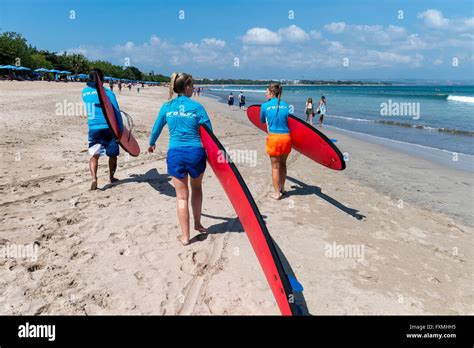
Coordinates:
(13, 49)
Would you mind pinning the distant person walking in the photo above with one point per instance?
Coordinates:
(322, 109)
(111, 84)
(100, 136)
(230, 100)
(138, 88)
(130, 86)
(242, 100)
(309, 111)
(120, 86)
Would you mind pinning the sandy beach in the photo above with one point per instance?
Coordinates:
(114, 251)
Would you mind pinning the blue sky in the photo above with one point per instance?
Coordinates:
(338, 39)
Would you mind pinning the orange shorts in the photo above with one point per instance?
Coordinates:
(278, 144)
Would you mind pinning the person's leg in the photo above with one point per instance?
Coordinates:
(311, 119)
(283, 159)
(307, 117)
(112, 168)
(93, 165)
(196, 202)
(275, 160)
(182, 194)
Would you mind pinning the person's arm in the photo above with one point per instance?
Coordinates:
(203, 117)
(158, 127)
(113, 101)
(262, 115)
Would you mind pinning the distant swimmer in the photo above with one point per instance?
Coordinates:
(322, 109)
(309, 110)
(100, 136)
(275, 114)
(186, 156)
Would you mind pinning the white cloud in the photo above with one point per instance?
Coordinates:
(434, 18)
(386, 58)
(293, 33)
(376, 34)
(213, 42)
(261, 36)
(335, 47)
(335, 27)
(155, 40)
(316, 34)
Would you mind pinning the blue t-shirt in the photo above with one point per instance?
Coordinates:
(183, 116)
(276, 117)
(95, 116)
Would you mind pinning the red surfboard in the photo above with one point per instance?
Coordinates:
(124, 138)
(251, 220)
(306, 139)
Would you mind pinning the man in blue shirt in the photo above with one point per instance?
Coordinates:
(100, 136)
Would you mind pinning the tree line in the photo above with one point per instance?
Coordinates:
(15, 50)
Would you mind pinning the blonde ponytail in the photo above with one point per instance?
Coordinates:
(179, 82)
(172, 81)
(277, 90)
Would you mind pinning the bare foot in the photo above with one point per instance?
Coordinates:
(200, 228)
(94, 185)
(183, 242)
(276, 196)
(112, 180)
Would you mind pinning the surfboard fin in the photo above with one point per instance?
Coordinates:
(295, 285)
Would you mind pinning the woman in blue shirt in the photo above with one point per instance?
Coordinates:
(186, 156)
(275, 114)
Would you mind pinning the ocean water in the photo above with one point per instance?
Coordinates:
(438, 117)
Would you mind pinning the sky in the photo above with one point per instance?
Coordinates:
(259, 39)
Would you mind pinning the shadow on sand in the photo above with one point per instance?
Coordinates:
(159, 182)
(301, 189)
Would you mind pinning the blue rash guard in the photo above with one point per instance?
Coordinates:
(95, 116)
(276, 117)
(183, 116)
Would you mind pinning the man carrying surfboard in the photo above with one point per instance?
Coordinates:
(100, 136)
(186, 156)
(275, 114)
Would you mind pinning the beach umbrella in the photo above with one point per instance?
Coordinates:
(22, 68)
(42, 70)
(54, 71)
(9, 67)
(65, 72)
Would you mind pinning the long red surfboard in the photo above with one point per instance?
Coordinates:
(251, 220)
(124, 138)
(306, 139)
